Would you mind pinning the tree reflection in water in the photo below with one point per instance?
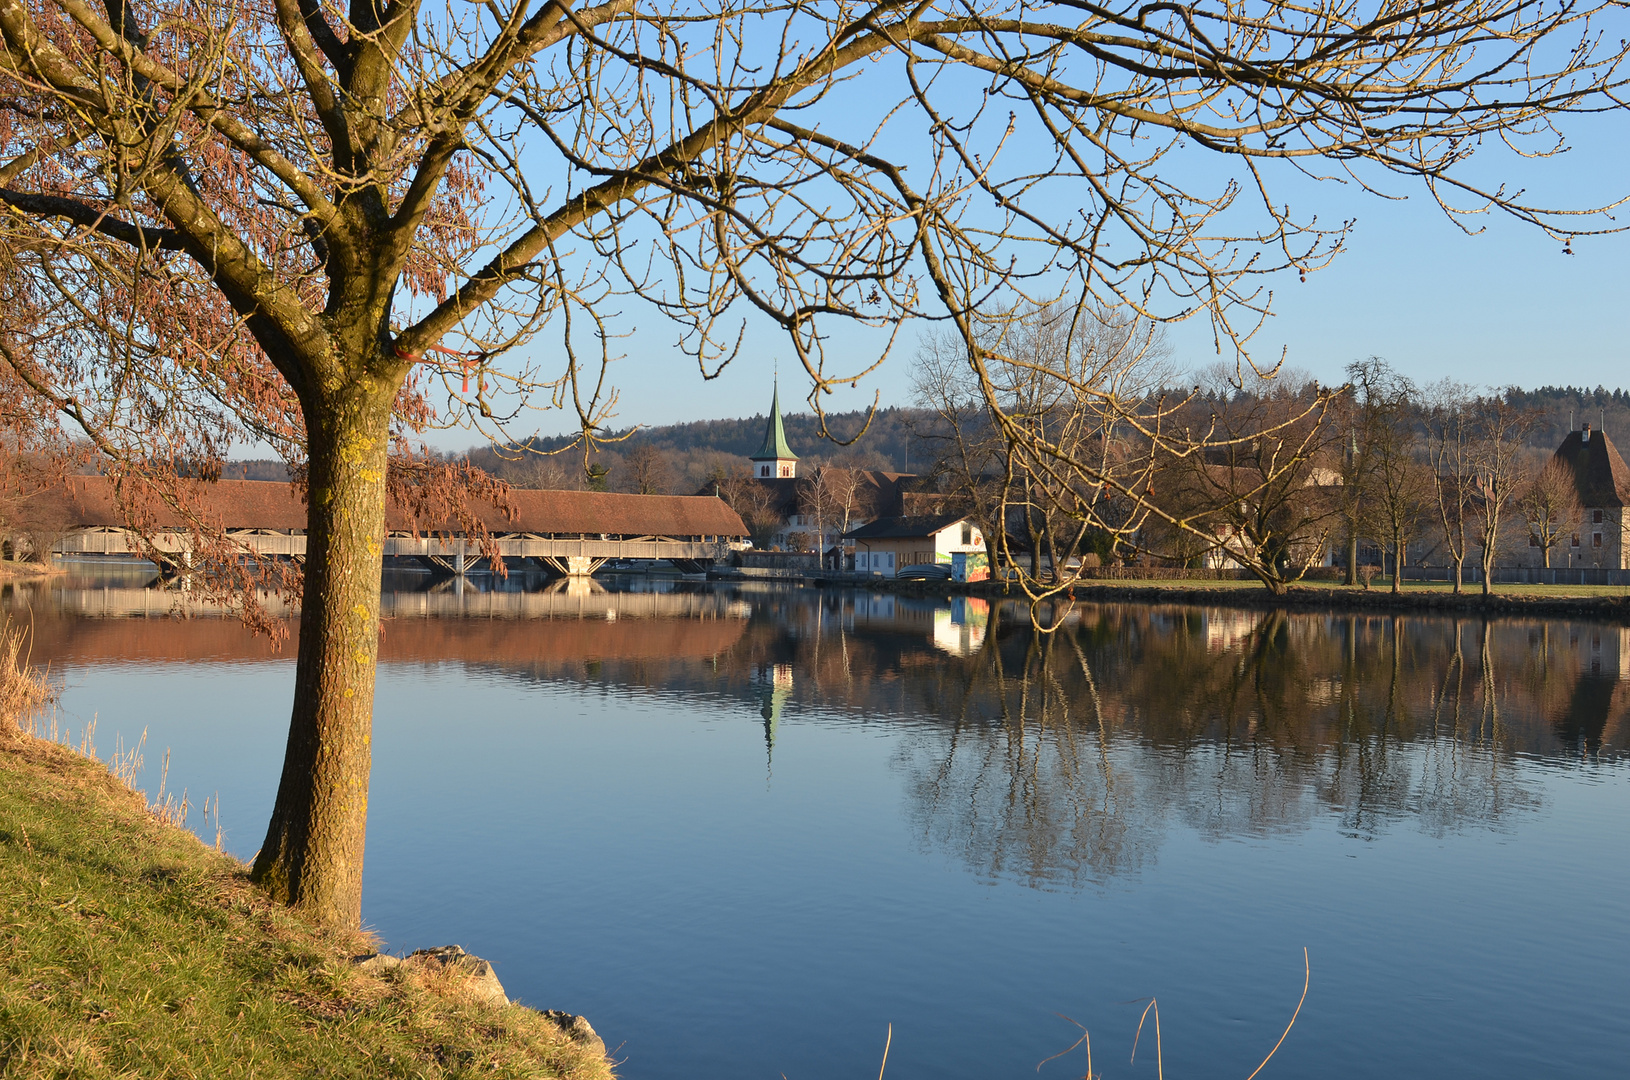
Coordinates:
(1060, 758)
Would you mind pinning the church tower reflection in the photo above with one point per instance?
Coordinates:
(776, 686)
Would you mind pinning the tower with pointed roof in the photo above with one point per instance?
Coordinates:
(1603, 482)
(774, 460)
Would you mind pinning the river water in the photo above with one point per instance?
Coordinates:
(750, 831)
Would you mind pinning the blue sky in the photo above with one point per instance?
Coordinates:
(1506, 306)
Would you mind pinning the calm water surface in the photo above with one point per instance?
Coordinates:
(745, 830)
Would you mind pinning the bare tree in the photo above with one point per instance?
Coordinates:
(834, 496)
(1353, 425)
(1264, 495)
(756, 505)
(309, 223)
(647, 470)
(1398, 484)
(965, 450)
(818, 501)
(1550, 504)
(33, 516)
(1498, 437)
(1041, 357)
(1451, 441)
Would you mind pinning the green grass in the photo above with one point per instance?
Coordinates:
(1380, 584)
(130, 949)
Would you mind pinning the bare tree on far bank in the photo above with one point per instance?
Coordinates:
(834, 497)
(1351, 459)
(754, 502)
(1396, 482)
(1550, 505)
(1263, 494)
(646, 471)
(1049, 350)
(1499, 431)
(965, 452)
(1049, 465)
(1451, 453)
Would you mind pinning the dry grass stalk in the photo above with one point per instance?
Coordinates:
(24, 690)
(1154, 1007)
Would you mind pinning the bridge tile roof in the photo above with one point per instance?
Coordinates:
(262, 504)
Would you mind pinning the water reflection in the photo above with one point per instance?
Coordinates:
(1056, 759)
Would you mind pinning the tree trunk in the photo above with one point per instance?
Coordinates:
(1460, 573)
(312, 856)
(1488, 569)
(1397, 562)
(1352, 556)
(1263, 572)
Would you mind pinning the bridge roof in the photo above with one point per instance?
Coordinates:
(617, 514)
(263, 504)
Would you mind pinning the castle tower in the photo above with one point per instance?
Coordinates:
(774, 460)
(1602, 536)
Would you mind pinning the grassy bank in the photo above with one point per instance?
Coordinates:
(1601, 602)
(14, 571)
(1380, 585)
(1562, 601)
(128, 948)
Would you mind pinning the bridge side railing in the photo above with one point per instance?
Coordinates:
(116, 541)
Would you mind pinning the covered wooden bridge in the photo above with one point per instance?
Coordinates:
(565, 532)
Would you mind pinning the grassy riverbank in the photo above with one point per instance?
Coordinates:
(1607, 602)
(129, 948)
(23, 571)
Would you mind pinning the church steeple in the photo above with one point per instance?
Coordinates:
(774, 460)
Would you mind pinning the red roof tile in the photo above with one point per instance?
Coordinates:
(257, 504)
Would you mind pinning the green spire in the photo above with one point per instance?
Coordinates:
(775, 437)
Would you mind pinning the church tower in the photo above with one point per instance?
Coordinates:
(774, 460)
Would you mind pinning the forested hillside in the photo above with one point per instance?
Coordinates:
(682, 458)
(1564, 408)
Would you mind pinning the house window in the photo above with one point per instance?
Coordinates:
(1595, 539)
(786, 470)
(1596, 517)
(1533, 541)
(764, 470)
(967, 534)
(1575, 539)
